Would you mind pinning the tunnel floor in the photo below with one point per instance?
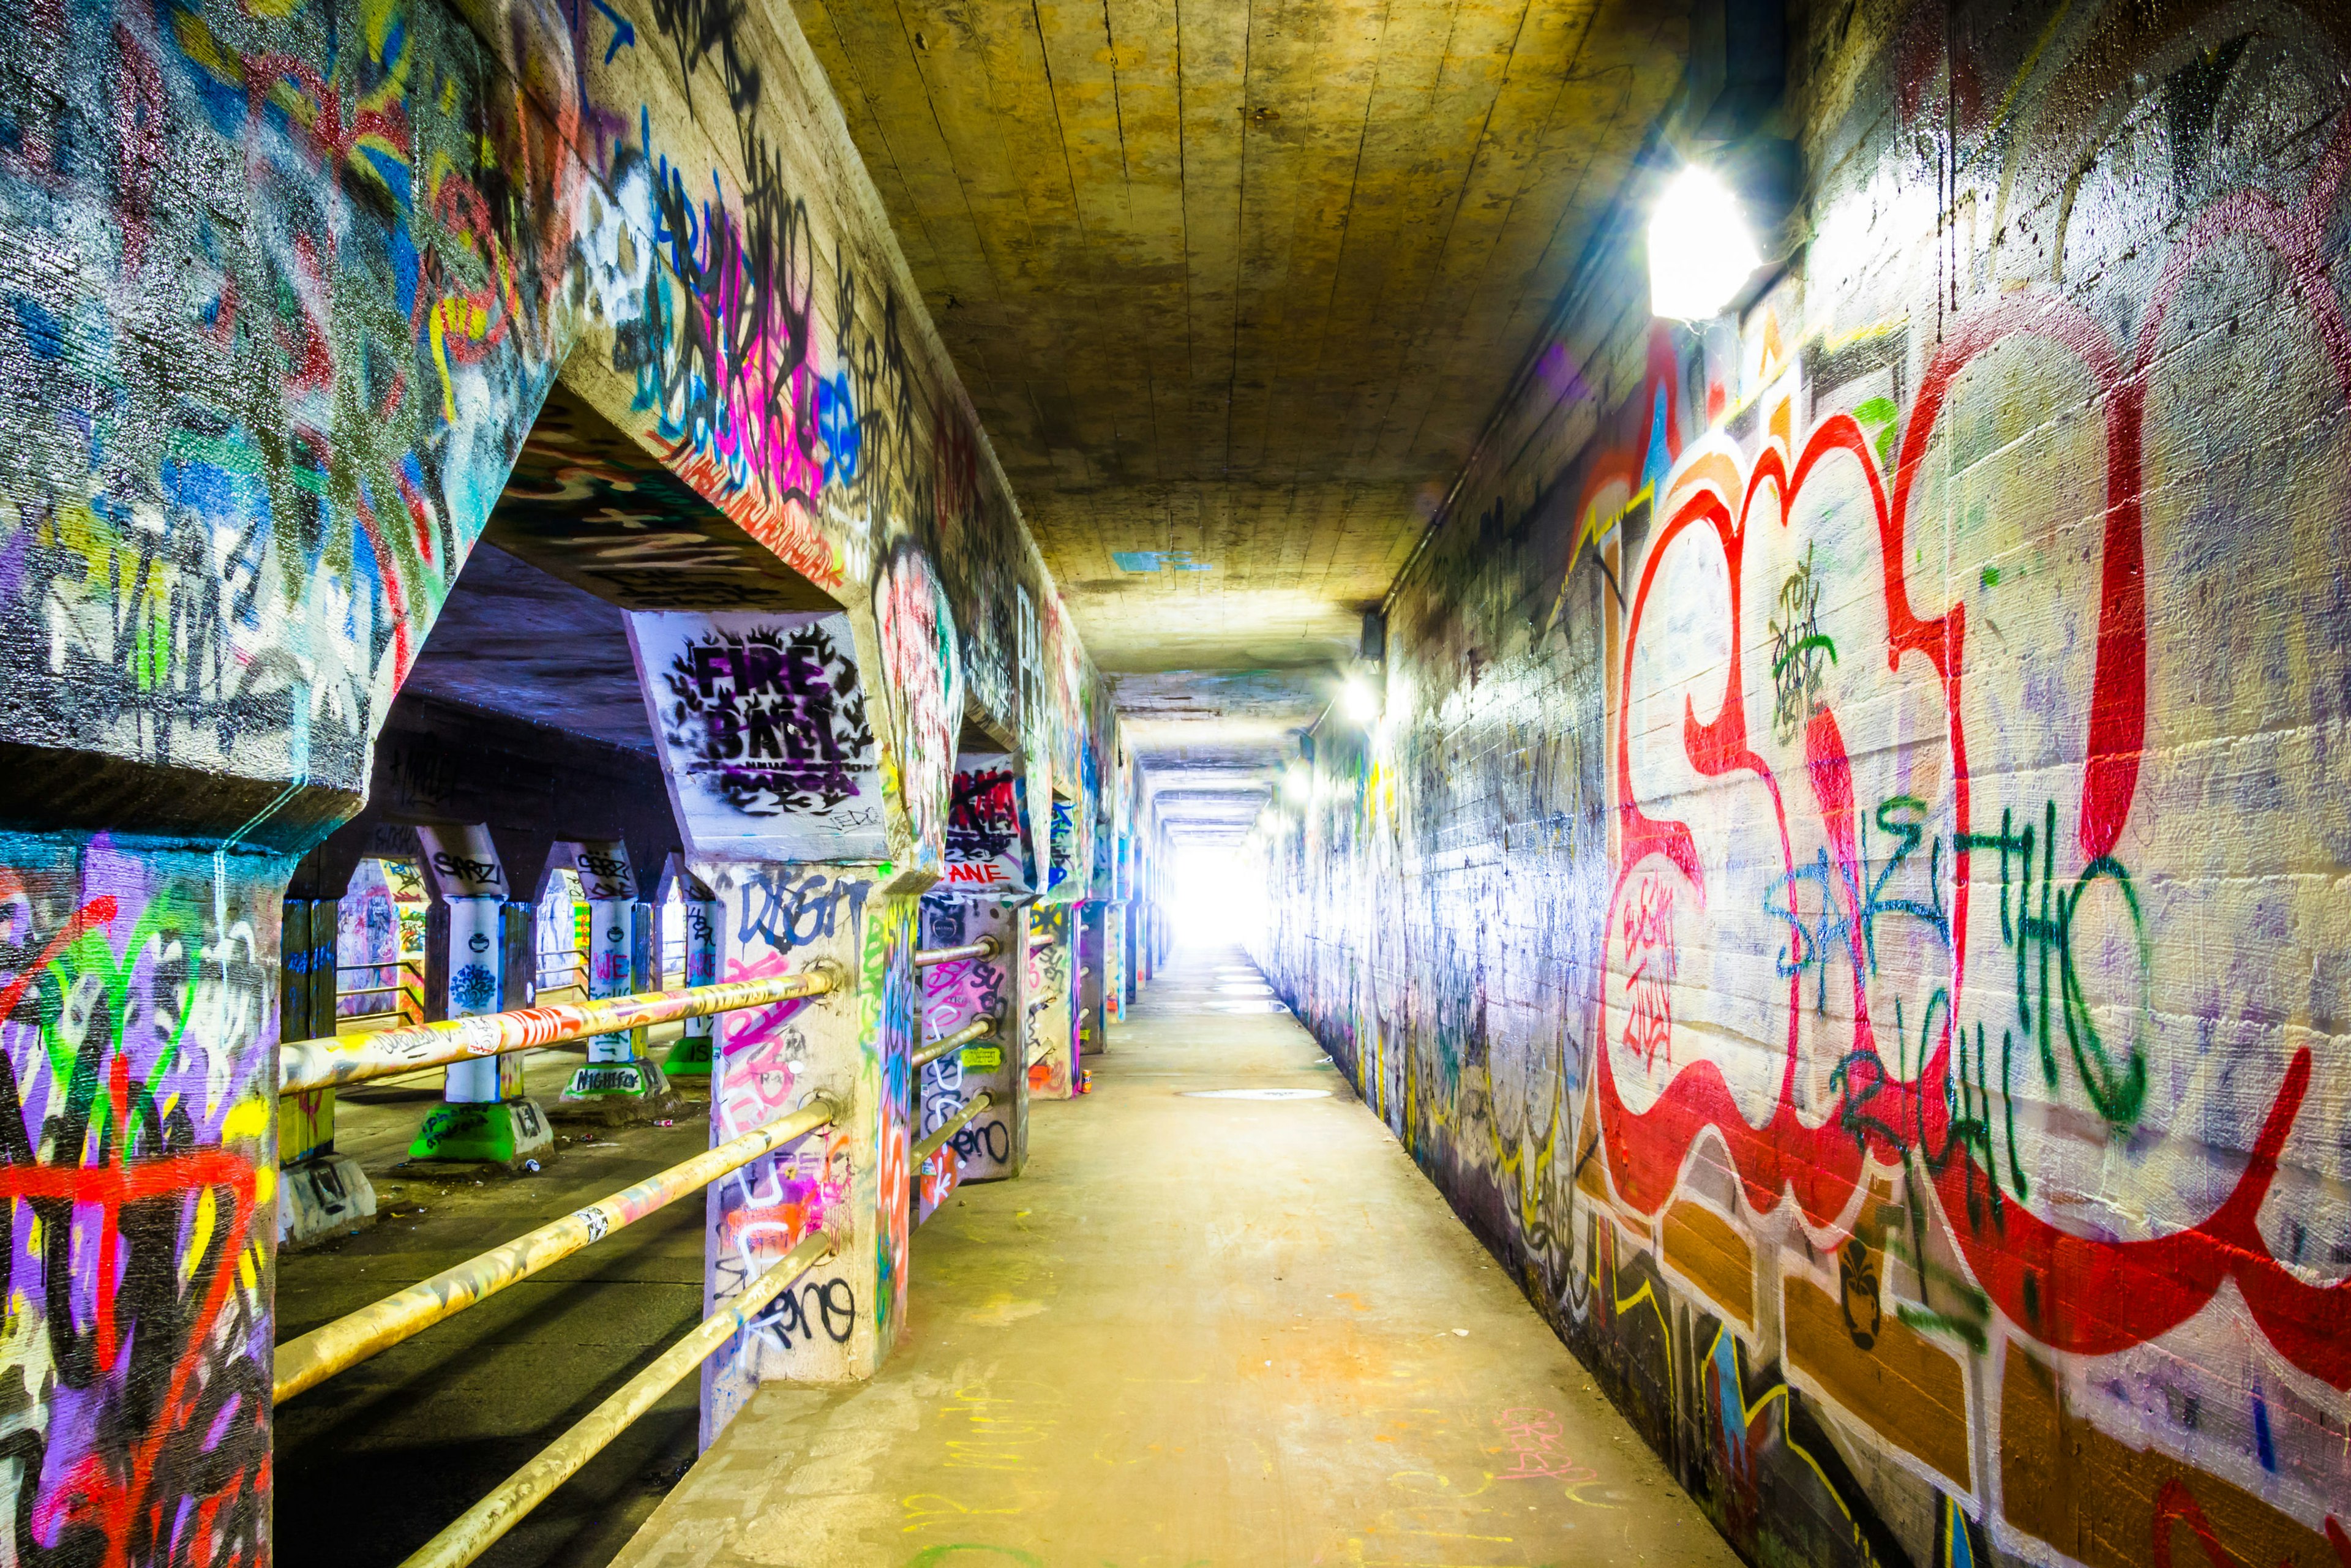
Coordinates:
(1200, 1329)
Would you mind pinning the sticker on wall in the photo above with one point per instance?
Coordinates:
(764, 732)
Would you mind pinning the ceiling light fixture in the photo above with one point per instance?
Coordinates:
(1701, 252)
(1362, 704)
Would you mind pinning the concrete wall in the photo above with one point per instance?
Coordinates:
(282, 289)
(1847, 895)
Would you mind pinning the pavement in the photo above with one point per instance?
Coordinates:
(1222, 1319)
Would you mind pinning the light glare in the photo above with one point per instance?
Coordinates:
(1215, 900)
(1362, 703)
(1700, 253)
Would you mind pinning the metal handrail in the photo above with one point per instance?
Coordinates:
(305, 1064)
(978, 1029)
(334, 1347)
(985, 948)
(1040, 939)
(950, 1127)
(481, 1525)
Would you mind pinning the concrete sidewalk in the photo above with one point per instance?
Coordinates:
(1202, 1329)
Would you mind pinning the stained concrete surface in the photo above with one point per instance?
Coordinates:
(370, 1464)
(1198, 1330)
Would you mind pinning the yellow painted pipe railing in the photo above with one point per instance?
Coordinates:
(949, 1128)
(481, 1526)
(310, 1360)
(307, 1064)
(983, 949)
(977, 1029)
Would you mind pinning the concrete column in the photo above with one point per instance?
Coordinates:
(1050, 1000)
(145, 1215)
(617, 1066)
(691, 1056)
(485, 1113)
(1115, 974)
(1092, 1019)
(995, 1143)
(1130, 952)
(319, 1193)
(851, 1181)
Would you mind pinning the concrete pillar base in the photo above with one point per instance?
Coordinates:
(505, 1131)
(689, 1058)
(637, 1079)
(324, 1195)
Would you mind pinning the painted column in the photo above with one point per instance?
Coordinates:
(851, 1181)
(995, 1143)
(691, 1056)
(485, 1113)
(767, 725)
(143, 1237)
(1090, 930)
(320, 1193)
(1115, 989)
(1050, 1000)
(617, 1066)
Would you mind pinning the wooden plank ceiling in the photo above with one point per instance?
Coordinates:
(1235, 284)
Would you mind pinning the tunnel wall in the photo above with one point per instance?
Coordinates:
(1847, 894)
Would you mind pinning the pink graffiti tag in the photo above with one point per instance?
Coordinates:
(1533, 1434)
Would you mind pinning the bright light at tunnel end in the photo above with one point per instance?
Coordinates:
(1216, 898)
(1701, 254)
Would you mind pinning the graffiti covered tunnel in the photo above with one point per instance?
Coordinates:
(1810, 816)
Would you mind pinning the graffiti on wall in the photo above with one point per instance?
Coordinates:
(988, 826)
(1051, 1002)
(1063, 878)
(924, 673)
(780, 921)
(138, 1019)
(1888, 1013)
(764, 733)
(955, 993)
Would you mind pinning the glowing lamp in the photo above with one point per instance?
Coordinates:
(1360, 702)
(1701, 254)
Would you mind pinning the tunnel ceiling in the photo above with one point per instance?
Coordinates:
(515, 640)
(1235, 286)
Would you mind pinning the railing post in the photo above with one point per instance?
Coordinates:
(485, 1113)
(852, 1045)
(1050, 1002)
(995, 1146)
(618, 1068)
